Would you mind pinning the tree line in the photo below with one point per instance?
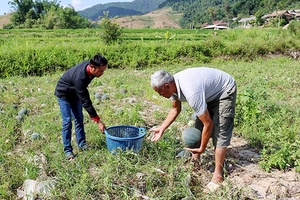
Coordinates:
(50, 15)
(119, 9)
(44, 14)
(197, 12)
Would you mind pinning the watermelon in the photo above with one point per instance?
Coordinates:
(35, 135)
(22, 112)
(183, 154)
(98, 95)
(191, 137)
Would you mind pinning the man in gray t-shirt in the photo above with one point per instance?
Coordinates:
(211, 93)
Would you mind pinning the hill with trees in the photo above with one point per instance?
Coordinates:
(207, 11)
(119, 9)
(193, 13)
(160, 18)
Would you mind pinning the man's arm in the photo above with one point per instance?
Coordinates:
(173, 113)
(206, 132)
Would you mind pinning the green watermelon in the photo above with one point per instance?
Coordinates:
(22, 112)
(183, 154)
(191, 137)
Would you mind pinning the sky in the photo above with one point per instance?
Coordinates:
(77, 4)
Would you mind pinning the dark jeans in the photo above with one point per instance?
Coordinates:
(68, 111)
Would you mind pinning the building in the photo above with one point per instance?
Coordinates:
(288, 14)
(246, 21)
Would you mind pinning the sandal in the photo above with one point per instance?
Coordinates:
(69, 156)
(211, 187)
(84, 147)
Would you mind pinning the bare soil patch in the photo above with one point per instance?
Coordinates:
(245, 176)
(4, 19)
(162, 18)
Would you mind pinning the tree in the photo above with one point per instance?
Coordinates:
(111, 30)
(50, 20)
(212, 11)
(48, 14)
(41, 7)
(21, 8)
(30, 19)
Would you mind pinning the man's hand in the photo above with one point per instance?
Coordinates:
(158, 132)
(195, 152)
(101, 126)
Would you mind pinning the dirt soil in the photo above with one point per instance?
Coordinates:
(245, 175)
(4, 19)
(162, 18)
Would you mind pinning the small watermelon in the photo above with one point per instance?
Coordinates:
(98, 95)
(22, 112)
(35, 136)
(183, 154)
(191, 137)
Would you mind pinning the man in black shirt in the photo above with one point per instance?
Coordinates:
(72, 93)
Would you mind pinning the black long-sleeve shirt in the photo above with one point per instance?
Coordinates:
(73, 84)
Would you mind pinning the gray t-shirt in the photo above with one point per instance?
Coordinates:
(201, 85)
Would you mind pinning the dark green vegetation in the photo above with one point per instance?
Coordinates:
(36, 52)
(119, 9)
(44, 14)
(50, 15)
(111, 31)
(196, 12)
(205, 11)
(263, 63)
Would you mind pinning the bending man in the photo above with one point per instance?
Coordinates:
(73, 95)
(211, 93)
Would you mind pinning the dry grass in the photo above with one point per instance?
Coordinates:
(4, 19)
(162, 18)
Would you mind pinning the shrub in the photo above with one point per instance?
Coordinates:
(111, 30)
(294, 27)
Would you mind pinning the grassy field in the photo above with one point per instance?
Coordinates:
(268, 93)
(267, 113)
(45, 51)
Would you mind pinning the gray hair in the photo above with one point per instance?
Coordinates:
(161, 77)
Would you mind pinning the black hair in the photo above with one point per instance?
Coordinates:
(98, 60)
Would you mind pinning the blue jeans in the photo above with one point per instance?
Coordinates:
(68, 111)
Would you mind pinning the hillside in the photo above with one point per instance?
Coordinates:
(4, 19)
(137, 7)
(209, 11)
(161, 18)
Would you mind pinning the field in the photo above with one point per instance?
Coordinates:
(161, 18)
(262, 162)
